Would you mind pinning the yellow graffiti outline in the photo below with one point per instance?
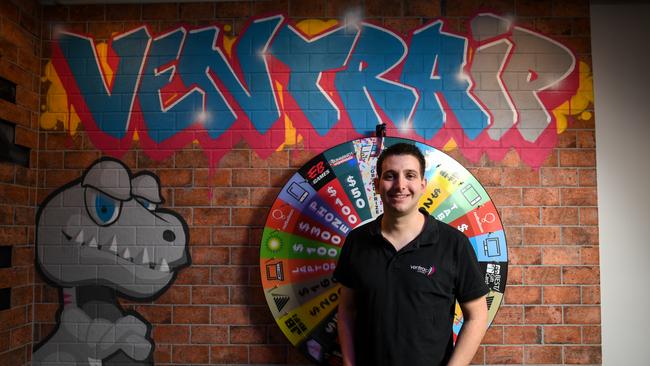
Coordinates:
(57, 108)
(578, 104)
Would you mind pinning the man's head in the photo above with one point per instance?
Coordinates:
(401, 149)
(400, 181)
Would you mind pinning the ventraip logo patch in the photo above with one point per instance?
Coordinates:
(424, 270)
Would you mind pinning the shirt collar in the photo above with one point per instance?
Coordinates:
(428, 236)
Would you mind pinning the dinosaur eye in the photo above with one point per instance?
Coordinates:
(103, 209)
(146, 203)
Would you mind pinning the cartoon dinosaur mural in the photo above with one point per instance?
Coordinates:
(100, 237)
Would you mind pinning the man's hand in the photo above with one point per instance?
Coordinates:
(475, 317)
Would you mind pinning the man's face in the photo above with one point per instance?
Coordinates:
(400, 185)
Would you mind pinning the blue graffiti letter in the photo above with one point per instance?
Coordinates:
(255, 93)
(108, 105)
(199, 57)
(362, 86)
(435, 67)
(164, 118)
(307, 59)
(205, 64)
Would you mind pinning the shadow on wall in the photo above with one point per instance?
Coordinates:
(99, 237)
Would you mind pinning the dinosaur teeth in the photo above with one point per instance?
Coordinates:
(80, 237)
(92, 243)
(145, 257)
(126, 254)
(164, 267)
(113, 247)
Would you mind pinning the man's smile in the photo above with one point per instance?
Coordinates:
(399, 196)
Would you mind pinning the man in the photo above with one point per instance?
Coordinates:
(402, 274)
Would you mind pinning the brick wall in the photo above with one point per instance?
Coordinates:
(216, 312)
(20, 53)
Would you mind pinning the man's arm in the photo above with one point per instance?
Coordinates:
(345, 320)
(475, 315)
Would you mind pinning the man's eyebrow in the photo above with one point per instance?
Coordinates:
(404, 170)
(393, 171)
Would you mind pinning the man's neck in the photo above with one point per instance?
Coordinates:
(401, 230)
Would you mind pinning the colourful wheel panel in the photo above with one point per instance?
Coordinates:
(331, 195)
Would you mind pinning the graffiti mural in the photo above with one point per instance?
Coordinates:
(496, 88)
(101, 237)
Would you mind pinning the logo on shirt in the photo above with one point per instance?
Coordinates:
(424, 270)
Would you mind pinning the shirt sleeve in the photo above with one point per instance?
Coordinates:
(343, 272)
(470, 281)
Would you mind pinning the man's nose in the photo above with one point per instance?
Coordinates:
(400, 181)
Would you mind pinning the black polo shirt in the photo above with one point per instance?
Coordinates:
(405, 299)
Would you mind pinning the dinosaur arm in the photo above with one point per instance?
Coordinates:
(79, 339)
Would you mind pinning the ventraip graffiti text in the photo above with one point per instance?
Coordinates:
(495, 87)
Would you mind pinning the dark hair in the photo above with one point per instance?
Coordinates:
(401, 148)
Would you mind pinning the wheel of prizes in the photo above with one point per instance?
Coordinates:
(331, 195)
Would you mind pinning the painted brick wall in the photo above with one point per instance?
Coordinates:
(216, 312)
(20, 53)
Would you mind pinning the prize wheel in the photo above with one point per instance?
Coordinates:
(331, 195)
